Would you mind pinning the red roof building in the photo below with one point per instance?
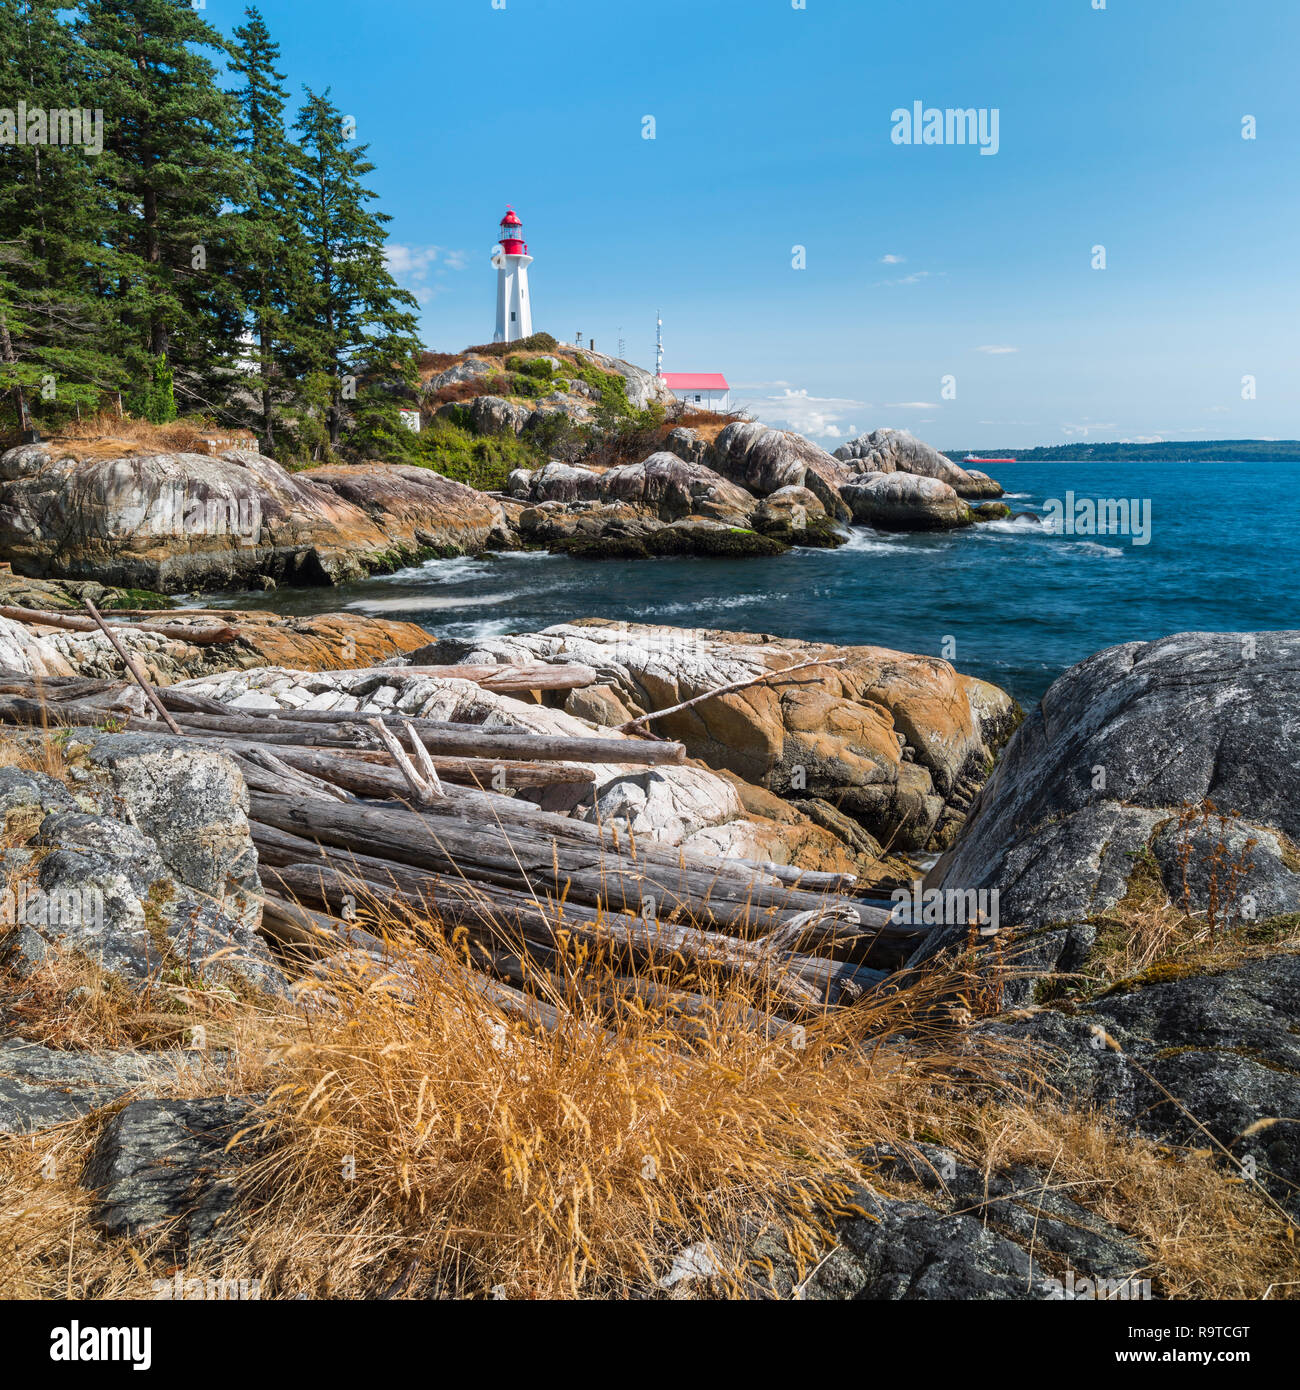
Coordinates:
(709, 390)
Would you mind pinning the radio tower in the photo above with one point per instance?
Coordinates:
(659, 345)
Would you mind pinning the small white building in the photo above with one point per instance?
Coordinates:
(699, 390)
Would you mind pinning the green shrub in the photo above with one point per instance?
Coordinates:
(539, 342)
(480, 461)
(538, 367)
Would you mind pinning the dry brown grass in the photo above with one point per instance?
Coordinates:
(1209, 1234)
(421, 1138)
(489, 1155)
(419, 1130)
(1149, 936)
(107, 435)
(709, 424)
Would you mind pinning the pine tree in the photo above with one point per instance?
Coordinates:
(356, 324)
(54, 348)
(275, 270)
(170, 171)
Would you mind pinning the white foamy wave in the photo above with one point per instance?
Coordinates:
(667, 610)
(453, 571)
(862, 539)
(1005, 526)
(473, 632)
(423, 603)
(1096, 548)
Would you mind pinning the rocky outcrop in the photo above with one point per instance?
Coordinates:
(1101, 770)
(174, 522)
(796, 516)
(419, 510)
(44, 1086)
(643, 388)
(328, 641)
(897, 742)
(905, 502)
(496, 415)
(673, 489)
(762, 460)
(1166, 1056)
(662, 486)
(661, 506)
(897, 451)
(893, 1251)
(169, 1167)
(149, 870)
(687, 444)
(472, 368)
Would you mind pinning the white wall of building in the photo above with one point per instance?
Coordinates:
(703, 400)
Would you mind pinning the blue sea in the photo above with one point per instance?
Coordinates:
(1011, 603)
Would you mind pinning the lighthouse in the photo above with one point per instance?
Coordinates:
(511, 258)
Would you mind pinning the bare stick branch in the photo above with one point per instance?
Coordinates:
(423, 758)
(730, 688)
(132, 666)
(423, 792)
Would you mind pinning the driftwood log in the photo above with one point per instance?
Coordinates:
(435, 840)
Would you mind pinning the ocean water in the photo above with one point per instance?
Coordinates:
(1015, 604)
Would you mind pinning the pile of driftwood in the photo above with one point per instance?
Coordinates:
(471, 827)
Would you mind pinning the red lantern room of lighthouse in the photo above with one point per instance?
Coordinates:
(512, 234)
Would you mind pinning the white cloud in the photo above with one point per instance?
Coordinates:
(411, 266)
(815, 416)
(915, 278)
(996, 350)
(892, 260)
(911, 405)
(1087, 428)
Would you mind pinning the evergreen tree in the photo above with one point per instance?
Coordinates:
(275, 270)
(170, 173)
(53, 348)
(356, 325)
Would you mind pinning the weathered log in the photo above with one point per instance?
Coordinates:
(463, 903)
(464, 740)
(510, 920)
(811, 880)
(72, 622)
(262, 770)
(499, 678)
(367, 773)
(315, 934)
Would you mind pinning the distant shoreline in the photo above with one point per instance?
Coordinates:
(1169, 451)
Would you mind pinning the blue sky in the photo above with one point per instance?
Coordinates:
(1119, 127)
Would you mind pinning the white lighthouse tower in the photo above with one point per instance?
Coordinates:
(511, 258)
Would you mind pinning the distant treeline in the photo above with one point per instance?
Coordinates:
(1170, 451)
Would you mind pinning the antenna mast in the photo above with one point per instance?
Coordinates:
(659, 344)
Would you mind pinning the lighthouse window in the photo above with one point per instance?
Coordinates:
(697, 398)
(512, 316)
